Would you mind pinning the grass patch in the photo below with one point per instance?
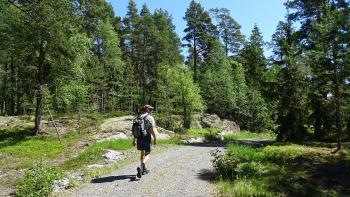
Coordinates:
(247, 135)
(23, 154)
(243, 188)
(172, 140)
(284, 170)
(11, 136)
(94, 153)
(207, 132)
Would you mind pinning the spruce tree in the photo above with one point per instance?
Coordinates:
(291, 91)
(253, 59)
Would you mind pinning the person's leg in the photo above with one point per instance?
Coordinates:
(142, 156)
(146, 157)
(140, 169)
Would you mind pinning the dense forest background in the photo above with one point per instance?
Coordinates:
(77, 56)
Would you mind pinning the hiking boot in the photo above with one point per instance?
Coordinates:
(144, 169)
(139, 172)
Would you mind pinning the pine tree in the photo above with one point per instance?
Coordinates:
(105, 69)
(200, 36)
(229, 30)
(329, 38)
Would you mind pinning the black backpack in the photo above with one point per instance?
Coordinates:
(138, 127)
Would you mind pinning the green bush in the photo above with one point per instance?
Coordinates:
(250, 169)
(247, 134)
(239, 161)
(207, 132)
(287, 153)
(38, 181)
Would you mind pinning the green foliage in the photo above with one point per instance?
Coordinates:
(201, 36)
(184, 93)
(226, 165)
(244, 187)
(38, 181)
(287, 152)
(253, 59)
(207, 132)
(291, 83)
(217, 85)
(250, 169)
(172, 140)
(246, 135)
(229, 30)
(284, 170)
(30, 149)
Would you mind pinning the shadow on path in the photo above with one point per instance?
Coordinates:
(206, 175)
(114, 178)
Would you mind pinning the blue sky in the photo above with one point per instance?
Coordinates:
(265, 13)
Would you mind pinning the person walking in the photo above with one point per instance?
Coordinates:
(144, 142)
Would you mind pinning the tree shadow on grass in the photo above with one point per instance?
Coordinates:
(314, 179)
(11, 136)
(114, 178)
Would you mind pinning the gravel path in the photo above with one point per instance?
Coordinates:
(184, 171)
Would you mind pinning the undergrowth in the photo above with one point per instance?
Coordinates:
(284, 170)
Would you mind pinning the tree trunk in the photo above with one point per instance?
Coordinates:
(40, 89)
(12, 88)
(194, 56)
(337, 98)
(226, 43)
(5, 91)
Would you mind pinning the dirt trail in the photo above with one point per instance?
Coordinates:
(184, 171)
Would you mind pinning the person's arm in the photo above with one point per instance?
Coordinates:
(134, 141)
(154, 133)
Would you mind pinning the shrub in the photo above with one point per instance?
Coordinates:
(239, 161)
(250, 169)
(38, 181)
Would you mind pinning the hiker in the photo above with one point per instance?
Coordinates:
(144, 141)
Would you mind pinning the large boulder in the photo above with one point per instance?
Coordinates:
(211, 121)
(229, 127)
(118, 124)
(59, 185)
(164, 134)
(116, 136)
(196, 122)
(225, 127)
(112, 155)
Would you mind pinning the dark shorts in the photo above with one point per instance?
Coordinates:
(144, 144)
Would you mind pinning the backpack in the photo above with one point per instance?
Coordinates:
(138, 127)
